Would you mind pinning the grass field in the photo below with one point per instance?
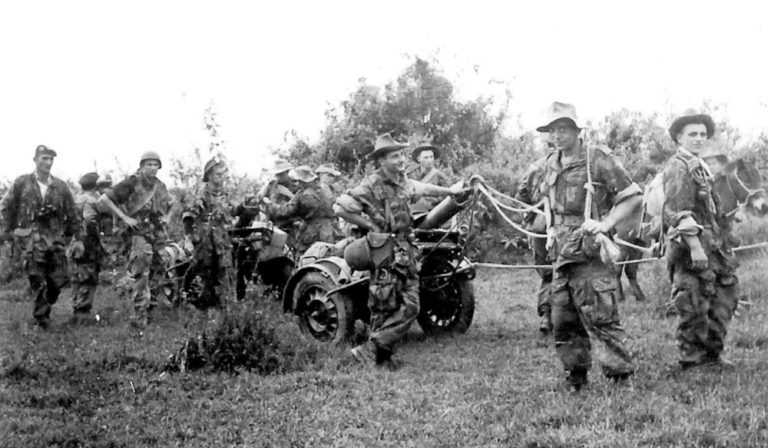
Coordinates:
(101, 385)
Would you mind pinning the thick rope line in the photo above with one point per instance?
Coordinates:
(515, 225)
(526, 208)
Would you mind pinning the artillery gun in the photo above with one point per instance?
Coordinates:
(328, 296)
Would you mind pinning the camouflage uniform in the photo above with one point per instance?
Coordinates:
(313, 206)
(42, 227)
(585, 291)
(394, 288)
(434, 177)
(245, 261)
(85, 279)
(705, 299)
(212, 254)
(147, 203)
(529, 191)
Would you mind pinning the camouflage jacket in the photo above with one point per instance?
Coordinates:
(279, 194)
(314, 207)
(148, 203)
(529, 186)
(564, 185)
(86, 206)
(54, 217)
(212, 216)
(690, 205)
(386, 200)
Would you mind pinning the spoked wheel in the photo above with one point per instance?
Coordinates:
(326, 319)
(447, 304)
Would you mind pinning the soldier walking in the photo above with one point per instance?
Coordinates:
(146, 202)
(700, 261)
(40, 212)
(87, 264)
(207, 221)
(584, 291)
(384, 198)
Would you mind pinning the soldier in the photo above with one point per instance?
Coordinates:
(313, 205)
(584, 291)
(699, 256)
(87, 265)
(384, 198)
(110, 241)
(529, 191)
(147, 203)
(40, 212)
(424, 155)
(280, 190)
(207, 221)
(328, 176)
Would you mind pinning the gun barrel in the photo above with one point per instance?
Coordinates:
(442, 212)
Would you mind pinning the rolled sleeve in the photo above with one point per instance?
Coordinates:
(630, 191)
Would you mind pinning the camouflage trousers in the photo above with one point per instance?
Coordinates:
(393, 299)
(46, 268)
(145, 268)
(85, 279)
(705, 303)
(585, 306)
(541, 257)
(215, 283)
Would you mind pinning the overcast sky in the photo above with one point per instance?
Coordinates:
(103, 81)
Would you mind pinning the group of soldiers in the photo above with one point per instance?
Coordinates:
(586, 193)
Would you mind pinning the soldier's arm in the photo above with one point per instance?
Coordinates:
(624, 193)
(289, 209)
(422, 189)
(74, 219)
(678, 216)
(351, 206)
(107, 202)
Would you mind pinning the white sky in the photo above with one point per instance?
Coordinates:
(103, 81)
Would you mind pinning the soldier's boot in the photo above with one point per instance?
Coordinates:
(577, 378)
(366, 354)
(545, 323)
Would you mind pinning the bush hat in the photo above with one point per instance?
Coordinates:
(424, 147)
(303, 173)
(558, 111)
(42, 149)
(384, 145)
(691, 116)
(281, 166)
(327, 168)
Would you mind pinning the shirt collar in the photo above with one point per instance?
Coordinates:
(37, 179)
(703, 164)
(397, 179)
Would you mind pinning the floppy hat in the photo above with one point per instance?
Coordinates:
(691, 116)
(558, 111)
(424, 147)
(384, 145)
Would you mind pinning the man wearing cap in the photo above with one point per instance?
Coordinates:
(207, 221)
(146, 203)
(40, 212)
(585, 291)
(381, 204)
(426, 172)
(87, 264)
(312, 205)
(699, 256)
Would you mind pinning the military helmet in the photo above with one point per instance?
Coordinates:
(150, 155)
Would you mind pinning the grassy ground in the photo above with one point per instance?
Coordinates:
(101, 385)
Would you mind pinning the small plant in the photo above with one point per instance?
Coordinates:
(245, 338)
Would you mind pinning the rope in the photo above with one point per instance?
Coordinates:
(515, 225)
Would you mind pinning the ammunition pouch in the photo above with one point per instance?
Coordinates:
(370, 252)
